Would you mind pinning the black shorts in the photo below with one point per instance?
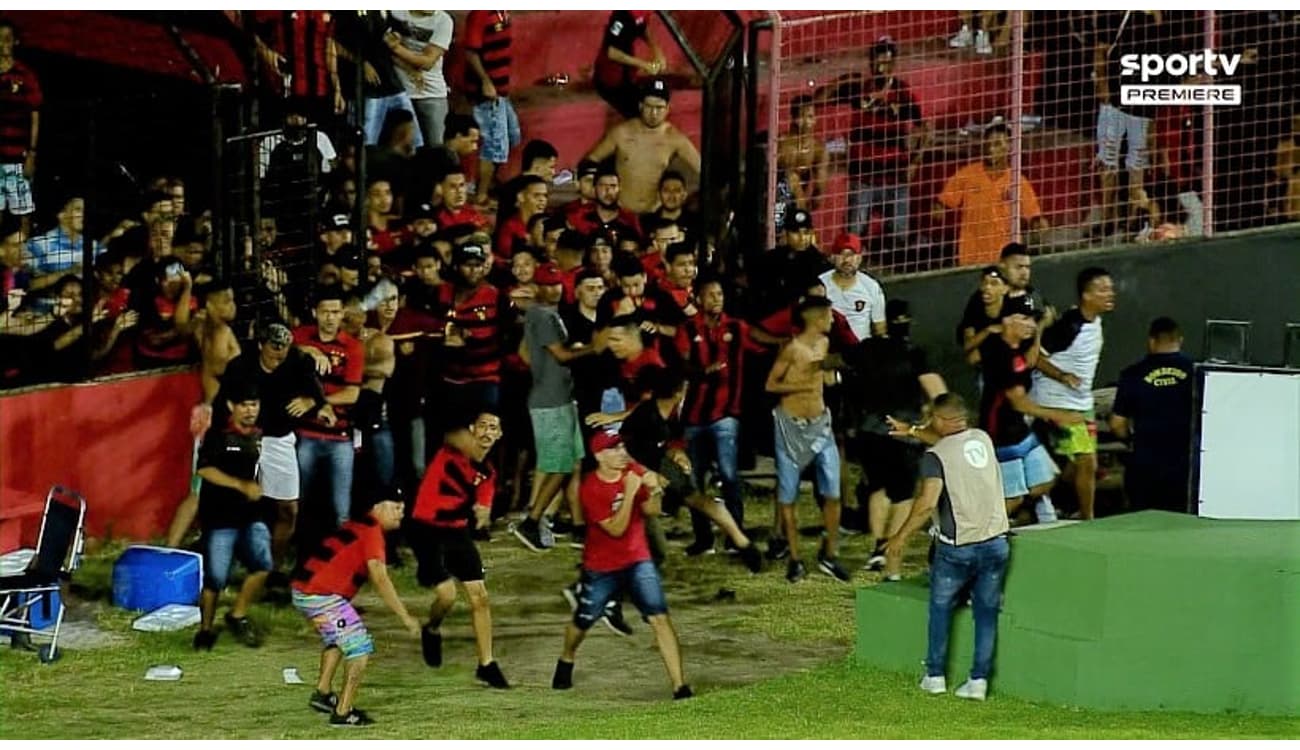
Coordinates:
(680, 486)
(889, 464)
(444, 553)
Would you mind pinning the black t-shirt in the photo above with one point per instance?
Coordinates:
(363, 32)
(59, 366)
(295, 377)
(235, 454)
(974, 317)
(889, 372)
(657, 306)
(1156, 393)
(782, 275)
(593, 374)
(647, 434)
(1004, 368)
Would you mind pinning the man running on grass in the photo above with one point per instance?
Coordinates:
(616, 498)
(323, 587)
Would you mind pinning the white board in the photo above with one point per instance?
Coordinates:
(1250, 445)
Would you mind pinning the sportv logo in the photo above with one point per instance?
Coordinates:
(1206, 64)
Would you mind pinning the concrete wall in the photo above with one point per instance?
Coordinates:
(1254, 277)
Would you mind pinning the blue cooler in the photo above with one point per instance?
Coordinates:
(146, 578)
(45, 607)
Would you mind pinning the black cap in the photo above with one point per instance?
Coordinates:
(587, 168)
(349, 256)
(656, 87)
(338, 221)
(423, 211)
(277, 335)
(1022, 305)
(241, 390)
(468, 253)
(798, 219)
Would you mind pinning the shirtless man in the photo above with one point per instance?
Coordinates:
(643, 148)
(804, 435)
(802, 161)
(217, 346)
(381, 360)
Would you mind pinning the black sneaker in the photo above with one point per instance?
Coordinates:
(491, 674)
(877, 559)
(431, 645)
(831, 567)
(613, 619)
(682, 693)
(578, 537)
(204, 640)
(277, 580)
(561, 527)
(530, 534)
(752, 559)
(563, 679)
(354, 718)
(571, 593)
(323, 702)
(777, 549)
(700, 548)
(243, 630)
(795, 571)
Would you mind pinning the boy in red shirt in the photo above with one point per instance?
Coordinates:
(323, 587)
(616, 498)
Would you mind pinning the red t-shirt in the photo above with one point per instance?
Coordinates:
(487, 33)
(20, 95)
(512, 234)
(780, 324)
(302, 37)
(347, 367)
(466, 214)
(453, 484)
(603, 553)
(339, 565)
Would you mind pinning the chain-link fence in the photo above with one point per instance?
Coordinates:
(939, 136)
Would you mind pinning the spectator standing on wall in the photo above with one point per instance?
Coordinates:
(981, 192)
(644, 147)
(299, 59)
(488, 57)
(1153, 411)
(419, 40)
(368, 44)
(884, 145)
(615, 73)
(20, 118)
(802, 162)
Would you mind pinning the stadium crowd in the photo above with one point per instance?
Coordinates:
(481, 354)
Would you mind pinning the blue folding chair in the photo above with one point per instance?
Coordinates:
(58, 553)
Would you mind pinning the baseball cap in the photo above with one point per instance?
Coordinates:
(338, 221)
(993, 271)
(604, 440)
(277, 335)
(799, 219)
(348, 256)
(548, 274)
(1022, 305)
(849, 242)
(468, 253)
(587, 168)
(656, 87)
(423, 211)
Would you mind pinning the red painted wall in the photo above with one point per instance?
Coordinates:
(124, 445)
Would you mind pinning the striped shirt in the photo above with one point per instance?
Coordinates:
(487, 33)
(20, 96)
(712, 396)
(452, 486)
(478, 319)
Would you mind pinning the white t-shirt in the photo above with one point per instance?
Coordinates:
(861, 304)
(1079, 345)
(417, 32)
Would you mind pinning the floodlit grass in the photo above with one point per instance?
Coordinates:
(772, 663)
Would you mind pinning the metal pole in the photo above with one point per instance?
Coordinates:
(359, 218)
(1017, 110)
(89, 292)
(224, 264)
(773, 127)
(1207, 141)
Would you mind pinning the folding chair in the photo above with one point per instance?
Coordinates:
(58, 554)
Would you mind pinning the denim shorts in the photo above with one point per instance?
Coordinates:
(1024, 465)
(337, 622)
(827, 472)
(640, 581)
(499, 127)
(251, 544)
(1113, 126)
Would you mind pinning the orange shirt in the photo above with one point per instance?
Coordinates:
(985, 202)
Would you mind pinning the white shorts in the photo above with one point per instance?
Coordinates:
(279, 467)
(15, 190)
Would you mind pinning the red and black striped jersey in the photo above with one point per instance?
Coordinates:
(479, 319)
(488, 34)
(340, 563)
(453, 484)
(714, 360)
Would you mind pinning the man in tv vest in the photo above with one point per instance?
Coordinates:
(962, 490)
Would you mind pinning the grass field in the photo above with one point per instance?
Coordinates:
(773, 663)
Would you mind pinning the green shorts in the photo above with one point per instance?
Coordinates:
(557, 438)
(1076, 439)
(196, 481)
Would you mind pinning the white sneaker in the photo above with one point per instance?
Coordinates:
(1044, 510)
(962, 40)
(975, 690)
(982, 45)
(934, 685)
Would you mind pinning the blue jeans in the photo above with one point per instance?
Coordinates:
(377, 110)
(334, 456)
(985, 563)
(641, 582)
(499, 126)
(252, 544)
(893, 201)
(725, 434)
(382, 456)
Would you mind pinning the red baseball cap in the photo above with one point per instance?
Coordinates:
(548, 274)
(846, 242)
(604, 440)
